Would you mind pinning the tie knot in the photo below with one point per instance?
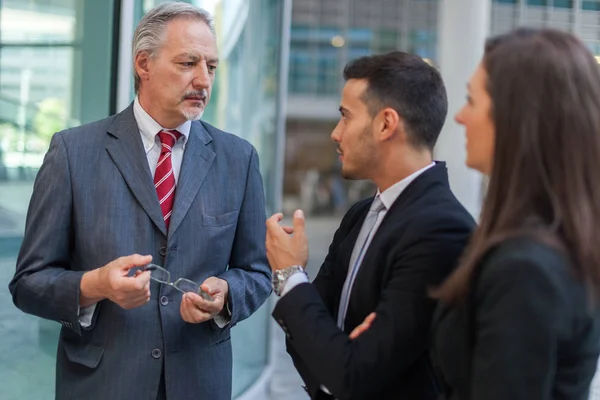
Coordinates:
(377, 206)
(168, 138)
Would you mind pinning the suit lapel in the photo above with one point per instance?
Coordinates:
(436, 175)
(127, 152)
(197, 160)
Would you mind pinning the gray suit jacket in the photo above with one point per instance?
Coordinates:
(94, 201)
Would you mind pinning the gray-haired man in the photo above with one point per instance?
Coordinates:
(150, 181)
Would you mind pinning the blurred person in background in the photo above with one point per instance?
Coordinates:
(151, 180)
(520, 317)
(388, 249)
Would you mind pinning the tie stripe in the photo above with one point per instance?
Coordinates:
(167, 196)
(164, 180)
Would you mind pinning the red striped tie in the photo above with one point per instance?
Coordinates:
(164, 180)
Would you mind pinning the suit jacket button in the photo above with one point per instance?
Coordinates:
(156, 353)
(164, 300)
(163, 250)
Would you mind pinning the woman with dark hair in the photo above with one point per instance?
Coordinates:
(519, 317)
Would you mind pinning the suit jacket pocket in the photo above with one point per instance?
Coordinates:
(220, 220)
(220, 335)
(87, 355)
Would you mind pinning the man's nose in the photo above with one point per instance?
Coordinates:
(202, 77)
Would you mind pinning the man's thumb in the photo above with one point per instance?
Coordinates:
(299, 222)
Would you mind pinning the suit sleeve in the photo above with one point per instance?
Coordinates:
(249, 274)
(519, 310)
(358, 369)
(323, 284)
(43, 284)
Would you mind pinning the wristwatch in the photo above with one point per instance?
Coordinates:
(280, 276)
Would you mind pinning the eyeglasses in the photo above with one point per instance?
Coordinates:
(161, 275)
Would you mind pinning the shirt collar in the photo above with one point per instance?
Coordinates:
(149, 128)
(389, 196)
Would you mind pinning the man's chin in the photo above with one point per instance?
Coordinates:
(350, 175)
(193, 115)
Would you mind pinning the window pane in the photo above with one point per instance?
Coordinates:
(590, 5)
(54, 73)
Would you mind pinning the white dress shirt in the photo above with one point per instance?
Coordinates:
(149, 129)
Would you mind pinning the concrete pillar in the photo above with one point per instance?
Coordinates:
(463, 26)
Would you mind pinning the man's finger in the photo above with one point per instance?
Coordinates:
(191, 313)
(273, 223)
(197, 301)
(370, 318)
(134, 260)
(208, 288)
(356, 332)
(274, 219)
(144, 277)
(288, 229)
(299, 222)
(363, 327)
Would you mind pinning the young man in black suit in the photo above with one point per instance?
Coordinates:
(388, 250)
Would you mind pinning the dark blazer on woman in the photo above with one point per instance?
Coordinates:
(527, 332)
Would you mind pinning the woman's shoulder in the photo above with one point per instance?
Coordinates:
(531, 271)
(541, 257)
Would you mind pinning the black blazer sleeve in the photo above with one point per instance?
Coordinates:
(323, 283)
(519, 318)
(358, 369)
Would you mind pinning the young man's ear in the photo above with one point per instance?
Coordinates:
(389, 124)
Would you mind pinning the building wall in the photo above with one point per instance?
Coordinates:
(326, 34)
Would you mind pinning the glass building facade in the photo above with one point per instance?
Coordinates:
(61, 64)
(326, 34)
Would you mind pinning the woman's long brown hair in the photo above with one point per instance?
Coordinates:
(545, 180)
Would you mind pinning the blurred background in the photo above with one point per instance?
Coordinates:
(68, 62)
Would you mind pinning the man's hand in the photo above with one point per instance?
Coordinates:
(113, 282)
(362, 328)
(286, 246)
(194, 309)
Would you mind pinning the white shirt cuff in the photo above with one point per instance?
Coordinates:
(223, 320)
(85, 315)
(323, 388)
(293, 281)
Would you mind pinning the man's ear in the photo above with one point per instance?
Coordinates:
(388, 124)
(141, 65)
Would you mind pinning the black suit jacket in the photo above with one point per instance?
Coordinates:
(415, 247)
(527, 333)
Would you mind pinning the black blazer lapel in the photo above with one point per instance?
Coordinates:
(436, 175)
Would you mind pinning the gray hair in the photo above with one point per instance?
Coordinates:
(149, 32)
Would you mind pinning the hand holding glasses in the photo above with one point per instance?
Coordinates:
(163, 276)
